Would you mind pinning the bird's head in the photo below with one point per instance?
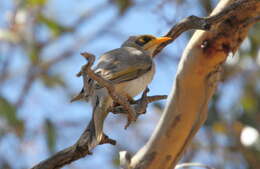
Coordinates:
(146, 42)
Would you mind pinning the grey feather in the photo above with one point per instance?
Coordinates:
(123, 64)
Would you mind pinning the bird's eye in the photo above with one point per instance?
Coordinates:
(143, 40)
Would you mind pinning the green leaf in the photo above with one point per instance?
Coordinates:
(249, 103)
(8, 112)
(51, 136)
(52, 80)
(36, 2)
(55, 27)
(34, 55)
(219, 127)
(123, 5)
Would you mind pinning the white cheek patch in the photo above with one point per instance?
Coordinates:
(136, 52)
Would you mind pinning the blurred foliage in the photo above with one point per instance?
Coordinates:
(55, 28)
(8, 113)
(52, 80)
(35, 2)
(34, 55)
(123, 5)
(51, 135)
(30, 31)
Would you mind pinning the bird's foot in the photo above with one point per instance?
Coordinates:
(131, 117)
(143, 102)
(106, 140)
(130, 99)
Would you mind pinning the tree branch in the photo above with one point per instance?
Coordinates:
(204, 23)
(122, 100)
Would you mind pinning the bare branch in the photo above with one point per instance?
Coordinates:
(202, 23)
(122, 100)
(5, 64)
(138, 105)
(29, 80)
(72, 153)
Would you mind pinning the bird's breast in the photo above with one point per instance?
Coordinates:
(136, 86)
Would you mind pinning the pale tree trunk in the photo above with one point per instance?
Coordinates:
(197, 76)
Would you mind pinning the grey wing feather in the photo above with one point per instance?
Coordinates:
(119, 65)
(123, 64)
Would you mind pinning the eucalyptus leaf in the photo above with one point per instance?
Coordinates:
(53, 25)
(123, 5)
(52, 80)
(51, 136)
(36, 2)
(8, 112)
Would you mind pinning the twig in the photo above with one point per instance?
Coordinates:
(201, 23)
(5, 65)
(72, 153)
(30, 77)
(122, 100)
(139, 105)
(252, 21)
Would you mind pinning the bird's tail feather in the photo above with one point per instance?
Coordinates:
(96, 124)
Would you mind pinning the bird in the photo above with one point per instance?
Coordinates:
(130, 68)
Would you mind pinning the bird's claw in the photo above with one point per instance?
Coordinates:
(106, 140)
(131, 117)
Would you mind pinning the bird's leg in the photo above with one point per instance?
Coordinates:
(144, 95)
(131, 115)
(144, 101)
(130, 99)
(118, 108)
(138, 105)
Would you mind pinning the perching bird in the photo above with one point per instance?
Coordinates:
(130, 68)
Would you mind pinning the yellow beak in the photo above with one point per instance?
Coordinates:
(155, 42)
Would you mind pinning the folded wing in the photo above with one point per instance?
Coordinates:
(123, 64)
